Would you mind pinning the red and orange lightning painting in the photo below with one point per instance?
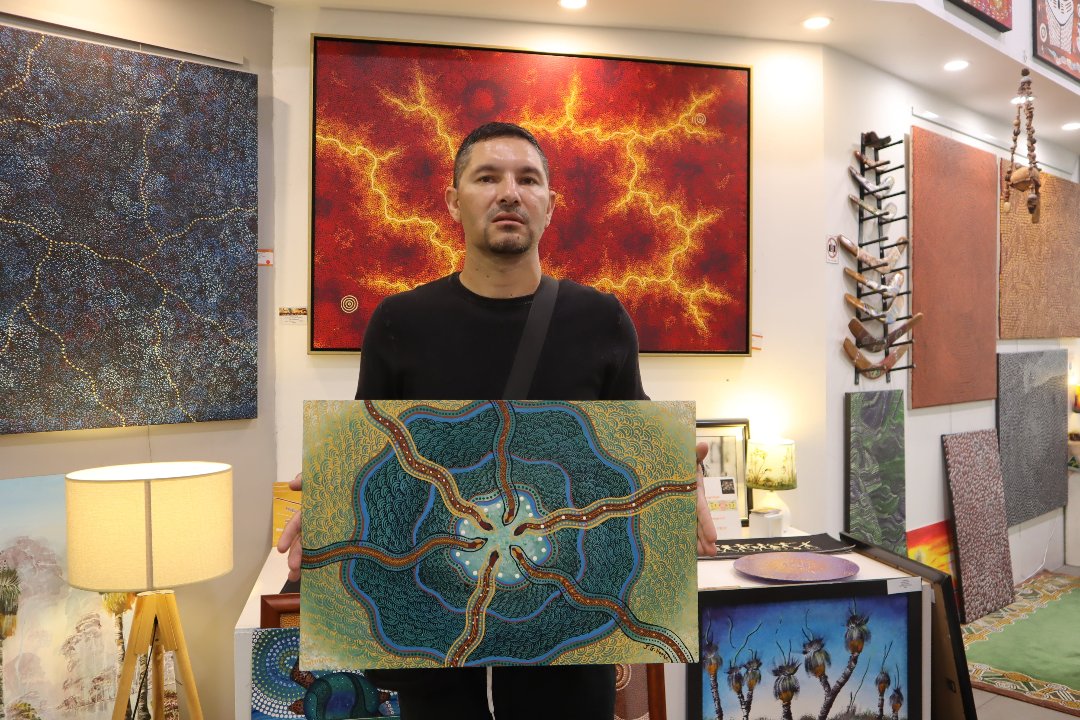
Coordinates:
(650, 160)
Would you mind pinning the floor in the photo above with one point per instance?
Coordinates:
(998, 707)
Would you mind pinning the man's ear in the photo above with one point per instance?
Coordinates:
(451, 198)
(551, 206)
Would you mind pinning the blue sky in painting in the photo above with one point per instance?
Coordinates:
(782, 626)
(33, 506)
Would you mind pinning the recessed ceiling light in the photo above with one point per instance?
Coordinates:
(956, 65)
(816, 22)
(1071, 126)
(572, 4)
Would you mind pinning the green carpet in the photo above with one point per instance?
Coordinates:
(1030, 650)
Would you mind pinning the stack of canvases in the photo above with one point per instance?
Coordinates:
(997, 478)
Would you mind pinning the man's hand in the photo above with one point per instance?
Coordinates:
(290, 536)
(706, 531)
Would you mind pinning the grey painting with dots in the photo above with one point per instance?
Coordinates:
(474, 533)
(128, 196)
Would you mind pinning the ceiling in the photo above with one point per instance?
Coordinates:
(894, 35)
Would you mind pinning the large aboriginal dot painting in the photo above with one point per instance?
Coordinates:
(498, 533)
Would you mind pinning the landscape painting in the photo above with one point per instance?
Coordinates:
(808, 651)
(470, 533)
(61, 649)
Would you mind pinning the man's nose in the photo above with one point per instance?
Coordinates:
(509, 192)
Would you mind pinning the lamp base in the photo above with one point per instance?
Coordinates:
(155, 627)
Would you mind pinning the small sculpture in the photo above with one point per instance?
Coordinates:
(1018, 177)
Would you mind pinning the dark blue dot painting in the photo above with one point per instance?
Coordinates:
(128, 216)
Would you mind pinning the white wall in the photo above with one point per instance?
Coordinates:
(241, 30)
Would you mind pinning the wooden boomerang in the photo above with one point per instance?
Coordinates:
(868, 163)
(882, 265)
(866, 185)
(865, 339)
(887, 316)
(889, 289)
(884, 213)
(872, 370)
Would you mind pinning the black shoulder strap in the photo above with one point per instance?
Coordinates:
(532, 340)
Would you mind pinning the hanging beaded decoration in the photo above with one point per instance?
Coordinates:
(1019, 177)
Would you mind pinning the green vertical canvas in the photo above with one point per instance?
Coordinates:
(468, 533)
(875, 468)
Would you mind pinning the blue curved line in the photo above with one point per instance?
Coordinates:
(365, 517)
(600, 454)
(562, 647)
(428, 506)
(376, 624)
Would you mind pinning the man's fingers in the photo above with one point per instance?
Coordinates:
(706, 531)
(294, 561)
(297, 482)
(290, 533)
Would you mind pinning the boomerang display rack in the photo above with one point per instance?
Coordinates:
(880, 301)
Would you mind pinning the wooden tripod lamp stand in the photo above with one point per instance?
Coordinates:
(144, 528)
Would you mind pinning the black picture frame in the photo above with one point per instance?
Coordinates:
(783, 614)
(950, 684)
(1066, 62)
(713, 432)
(973, 7)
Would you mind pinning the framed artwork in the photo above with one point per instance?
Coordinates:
(57, 642)
(995, 13)
(727, 457)
(950, 683)
(650, 160)
(279, 611)
(128, 236)
(472, 533)
(875, 501)
(1056, 42)
(808, 650)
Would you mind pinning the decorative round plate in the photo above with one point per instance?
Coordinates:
(796, 567)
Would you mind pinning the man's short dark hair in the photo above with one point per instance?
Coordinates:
(489, 131)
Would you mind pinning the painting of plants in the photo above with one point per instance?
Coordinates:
(875, 468)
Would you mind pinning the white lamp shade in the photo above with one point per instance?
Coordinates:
(149, 526)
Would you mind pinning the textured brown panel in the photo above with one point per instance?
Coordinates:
(1040, 263)
(954, 237)
(973, 470)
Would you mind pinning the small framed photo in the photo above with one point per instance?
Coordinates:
(726, 459)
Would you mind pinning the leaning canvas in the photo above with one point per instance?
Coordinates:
(466, 533)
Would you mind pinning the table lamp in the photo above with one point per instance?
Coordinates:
(770, 466)
(144, 528)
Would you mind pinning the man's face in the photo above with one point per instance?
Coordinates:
(502, 200)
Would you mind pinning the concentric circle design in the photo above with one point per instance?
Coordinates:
(349, 304)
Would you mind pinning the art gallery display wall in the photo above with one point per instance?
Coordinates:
(809, 104)
(235, 36)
